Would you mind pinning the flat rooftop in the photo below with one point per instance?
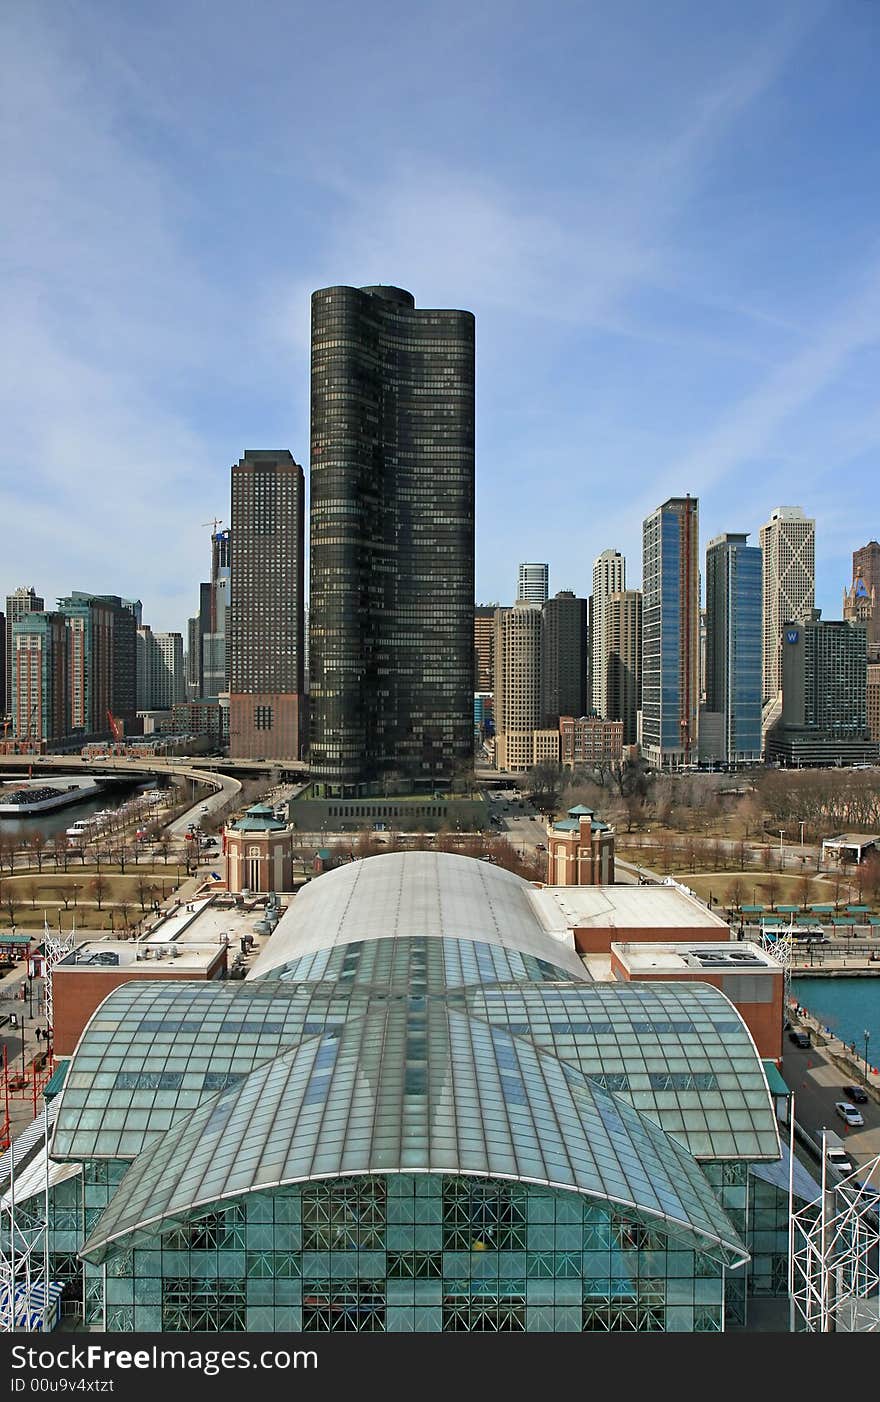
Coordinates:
(97, 956)
(685, 956)
(561, 908)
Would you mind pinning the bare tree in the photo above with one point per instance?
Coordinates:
(804, 887)
(736, 893)
(30, 891)
(37, 844)
(98, 887)
(771, 888)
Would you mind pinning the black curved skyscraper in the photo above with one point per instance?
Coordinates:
(392, 540)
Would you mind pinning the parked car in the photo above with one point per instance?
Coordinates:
(856, 1094)
(848, 1112)
(800, 1039)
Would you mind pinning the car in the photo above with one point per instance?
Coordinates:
(800, 1039)
(848, 1112)
(539, 847)
(856, 1094)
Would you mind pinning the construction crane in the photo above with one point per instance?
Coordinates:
(213, 524)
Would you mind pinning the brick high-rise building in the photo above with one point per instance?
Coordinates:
(39, 652)
(22, 601)
(266, 612)
(866, 593)
(564, 658)
(391, 607)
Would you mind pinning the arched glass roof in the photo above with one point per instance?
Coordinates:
(153, 1052)
(425, 894)
(411, 1086)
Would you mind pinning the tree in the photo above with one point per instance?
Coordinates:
(805, 887)
(61, 850)
(736, 893)
(771, 888)
(30, 891)
(163, 842)
(37, 844)
(98, 888)
(123, 910)
(10, 904)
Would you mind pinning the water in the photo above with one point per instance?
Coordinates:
(60, 819)
(848, 1006)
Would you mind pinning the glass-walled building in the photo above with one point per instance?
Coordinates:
(671, 633)
(734, 641)
(418, 1113)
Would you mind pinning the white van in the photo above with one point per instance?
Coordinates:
(835, 1152)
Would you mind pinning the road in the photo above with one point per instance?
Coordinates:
(817, 1083)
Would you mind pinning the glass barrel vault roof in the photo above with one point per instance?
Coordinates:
(411, 1086)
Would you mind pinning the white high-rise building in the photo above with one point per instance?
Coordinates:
(533, 586)
(789, 583)
(609, 577)
(161, 680)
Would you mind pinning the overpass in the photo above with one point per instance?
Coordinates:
(118, 767)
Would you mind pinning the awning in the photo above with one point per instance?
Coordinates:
(32, 1180)
(33, 1304)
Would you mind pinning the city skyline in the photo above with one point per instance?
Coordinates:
(665, 230)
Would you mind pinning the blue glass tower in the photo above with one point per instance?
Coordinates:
(734, 643)
(670, 633)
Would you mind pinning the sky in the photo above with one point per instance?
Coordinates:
(664, 214)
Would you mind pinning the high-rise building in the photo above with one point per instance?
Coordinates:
(102, 661)
(609, 577)
(22, 601)
(517, 710)
(3, 700)
(484, 633)
(392, 540)
(873, 700)
(564, 658)
(671, 633)
(161, 681)
(533, 584)
(788, 543)
(623, 659)
(266, 614)
(193, 659)
(824, 717)
(215, 659)
(863, 600)
(734, 644)
(39, 652)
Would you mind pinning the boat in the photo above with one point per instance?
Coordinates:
(23, 802)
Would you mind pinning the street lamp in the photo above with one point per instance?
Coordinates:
(801, 821)
(781, 850)
(867, 1036)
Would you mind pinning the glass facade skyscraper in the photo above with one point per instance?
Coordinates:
(734, 643)
(392, 540)
(671, 633)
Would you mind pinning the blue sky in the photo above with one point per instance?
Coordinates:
(663, 214)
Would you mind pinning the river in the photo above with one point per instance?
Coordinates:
(847, 1006)
(60, 819)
